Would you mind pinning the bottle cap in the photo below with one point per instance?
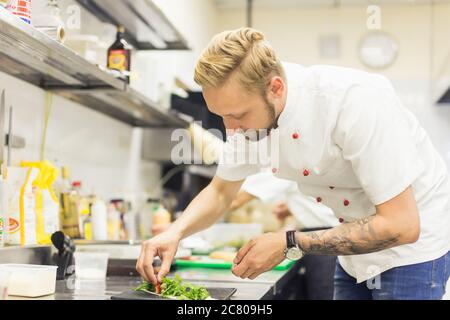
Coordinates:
(76, 184)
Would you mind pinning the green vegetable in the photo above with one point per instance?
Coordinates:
(175, 288)
(145, 286)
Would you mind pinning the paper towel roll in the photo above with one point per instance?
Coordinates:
(207, 144)
(55, 32)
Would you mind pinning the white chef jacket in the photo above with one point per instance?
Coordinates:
(345, 137)
(308, 211)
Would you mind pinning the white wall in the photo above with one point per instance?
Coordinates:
(101, 152)
(156, 70)
(421, 31)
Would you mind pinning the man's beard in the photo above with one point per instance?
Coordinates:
(270, 107)
(259, 134)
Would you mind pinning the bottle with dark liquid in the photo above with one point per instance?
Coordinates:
(119, 54)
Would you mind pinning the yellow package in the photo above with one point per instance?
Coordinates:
(47, 204)
(27, 209)
(15, 181)
(21, 206)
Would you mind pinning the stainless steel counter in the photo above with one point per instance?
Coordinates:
(262, 287)
(122, 275)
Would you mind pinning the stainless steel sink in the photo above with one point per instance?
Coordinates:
(123, 255)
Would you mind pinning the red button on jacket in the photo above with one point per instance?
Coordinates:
(306, 173)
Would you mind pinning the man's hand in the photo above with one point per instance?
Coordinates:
(281, 211)
(165, 246)
(202, 212)
(260, 255)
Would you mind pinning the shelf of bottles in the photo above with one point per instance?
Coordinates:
(33, 56)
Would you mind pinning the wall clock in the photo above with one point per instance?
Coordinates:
(378, 50)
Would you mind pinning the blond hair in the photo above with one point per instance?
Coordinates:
(244, 51)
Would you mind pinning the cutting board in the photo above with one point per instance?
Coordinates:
(207, 262)
(215, 293)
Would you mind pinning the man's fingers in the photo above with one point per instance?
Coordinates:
(140, 264)
(149, 272)
(166, 262)
(243, 251)
(240, 269)
(247, 273)
(254, 275)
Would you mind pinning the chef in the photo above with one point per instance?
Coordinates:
(344, 137)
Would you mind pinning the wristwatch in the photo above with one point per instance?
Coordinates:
(292, 251)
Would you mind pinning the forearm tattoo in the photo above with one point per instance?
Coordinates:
(358, 237)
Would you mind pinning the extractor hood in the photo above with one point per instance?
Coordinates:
(147, 28)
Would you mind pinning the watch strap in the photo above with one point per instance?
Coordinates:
(291, 241)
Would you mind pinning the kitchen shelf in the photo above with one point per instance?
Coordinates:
(30, 55)
(146, 26)
(127, 105)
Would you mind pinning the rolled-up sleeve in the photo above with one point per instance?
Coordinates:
(374, 133)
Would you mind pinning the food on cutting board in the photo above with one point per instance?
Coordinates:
(223, 255)
(191, 258)
(176, 289)
(236, 243)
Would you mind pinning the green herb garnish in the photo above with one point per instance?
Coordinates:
(176, 288)
(145, 286)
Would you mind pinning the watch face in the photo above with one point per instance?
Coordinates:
(294, 254)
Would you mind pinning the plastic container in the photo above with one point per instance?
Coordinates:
(99, 221)
(91, 265)
(146, 218)
(89, 47)
(32, 281)
(161, 217)
(114, 223)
